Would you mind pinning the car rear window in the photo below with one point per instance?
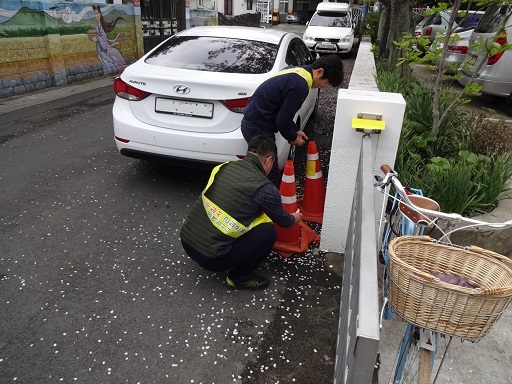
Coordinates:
(215, 54)
(430, 20)
(492, 19)
(470, 21)
(331, 19)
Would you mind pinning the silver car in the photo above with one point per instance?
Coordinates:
(302, 16)
(437, 24)
(457, 50)
(494, 73)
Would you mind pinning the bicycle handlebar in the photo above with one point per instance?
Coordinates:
(391, 177)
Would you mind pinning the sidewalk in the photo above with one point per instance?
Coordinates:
(86, 88)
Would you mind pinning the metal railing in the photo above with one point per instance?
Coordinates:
(263, 7)
(161, 19)
(358, 333)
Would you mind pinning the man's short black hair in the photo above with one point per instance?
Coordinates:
(333, 68)
(263, 146)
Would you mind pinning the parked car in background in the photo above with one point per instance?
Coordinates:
(302, 16)
(438, 23)
(459, 42)
(470, 20)
(418, 29)
(493, 73)
(183, 100)
(457, 50)
(332, 29)
(420, 22)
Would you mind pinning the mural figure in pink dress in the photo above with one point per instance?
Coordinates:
(110, 57)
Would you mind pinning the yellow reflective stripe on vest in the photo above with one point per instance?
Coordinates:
(304, 73)
(221, 219)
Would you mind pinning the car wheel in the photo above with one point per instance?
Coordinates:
(291, 154)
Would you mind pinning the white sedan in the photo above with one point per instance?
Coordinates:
(183, 100)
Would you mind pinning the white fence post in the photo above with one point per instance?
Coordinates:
(345, 156)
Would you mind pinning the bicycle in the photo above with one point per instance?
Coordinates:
(419, 280)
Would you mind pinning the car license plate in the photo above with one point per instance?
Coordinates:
(471, 59)
(184, 108)
(326, 46)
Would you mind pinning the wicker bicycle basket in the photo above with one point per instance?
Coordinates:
(418, 295)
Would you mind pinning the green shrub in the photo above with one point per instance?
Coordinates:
(469, 183)
(466, 166)
(370, 25)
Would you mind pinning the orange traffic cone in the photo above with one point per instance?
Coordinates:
(294, 239)
(289, 199)
(313, 201)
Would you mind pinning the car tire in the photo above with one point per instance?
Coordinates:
(291, 153)
(508, 100)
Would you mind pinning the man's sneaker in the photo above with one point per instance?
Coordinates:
(251, 282)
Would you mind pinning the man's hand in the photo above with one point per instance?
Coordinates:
(297, 216)
(300, 140)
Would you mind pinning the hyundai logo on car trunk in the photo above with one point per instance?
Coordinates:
(181, 89)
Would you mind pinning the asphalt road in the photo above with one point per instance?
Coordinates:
(94, 284)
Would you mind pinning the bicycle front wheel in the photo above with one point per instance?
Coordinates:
(416, 361)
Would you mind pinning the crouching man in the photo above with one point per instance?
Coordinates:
(230, 226)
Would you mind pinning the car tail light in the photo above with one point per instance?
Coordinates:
(417, 33)
(501, 40)
(121, 139)
(126, 91)
(236, 105)
(428, 32)
(458, 49)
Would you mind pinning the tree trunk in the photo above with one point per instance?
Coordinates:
(400, 23)
(383, 32)
(385, 20)
(438, 84)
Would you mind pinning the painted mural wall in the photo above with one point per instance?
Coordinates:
(47, 43)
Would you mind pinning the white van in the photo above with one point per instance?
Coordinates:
(495, 75)
(331, 29)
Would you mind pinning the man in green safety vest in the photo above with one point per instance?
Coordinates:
(275, 102)
(230, 227)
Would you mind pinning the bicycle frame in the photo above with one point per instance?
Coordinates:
(427, 339)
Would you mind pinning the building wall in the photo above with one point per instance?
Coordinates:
(201, 12)
(241, 7)
(51, 43)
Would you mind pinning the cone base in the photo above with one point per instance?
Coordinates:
(307, 236)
